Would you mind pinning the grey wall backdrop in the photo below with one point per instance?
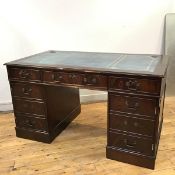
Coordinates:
(170, 50)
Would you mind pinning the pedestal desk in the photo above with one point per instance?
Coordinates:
(45, 95)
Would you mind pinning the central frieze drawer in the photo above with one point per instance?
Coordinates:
(27, 90)
(30, 107)
(62, 77)
(24, 74)
(86, 79)
(133, 105)
(131, 124)
(31, 123)
(131, 143)
(136, 85)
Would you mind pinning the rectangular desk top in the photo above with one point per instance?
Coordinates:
(144, 64)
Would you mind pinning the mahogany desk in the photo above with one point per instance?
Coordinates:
(45, 95)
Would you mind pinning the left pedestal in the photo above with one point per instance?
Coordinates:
(41, 111)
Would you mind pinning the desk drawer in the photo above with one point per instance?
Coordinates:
(29, 107)
(136, 85)
(31, 123)
(131, 143)
(27, 90)
(95, 80)
(131, 124)
(90, 79)
(62, 77)
(133, 105)
(24, 74)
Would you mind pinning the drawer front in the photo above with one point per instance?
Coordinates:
(131, 124)
(62, 77)
(136, 85)
(131, 143)
(24, 74)
(27, 90)
(29, 107)
(134, 105)
(94, 80)
(31, 123)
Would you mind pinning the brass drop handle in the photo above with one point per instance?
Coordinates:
(72, 76)
(132, 85)
(90, 80)
(133, 105)
(56, 77)
(129, 144)
(94, 80)
(24, 74)
(29, 123)
(27, 90)
(85, 80)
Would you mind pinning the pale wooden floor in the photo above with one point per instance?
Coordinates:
(80, 149)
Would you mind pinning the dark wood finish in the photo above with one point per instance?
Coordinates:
(44, 136)
(29, 107)
(141, 106)
(33, 135)
(94, 80)
(130, 124)
(130, 157)
(135, 85)
(51, 116)
(131, 143)
(79, 79)
(24, 74)
(63, 104)
(27, 90)
(46, 98)
(62, 77)
(28, 122)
